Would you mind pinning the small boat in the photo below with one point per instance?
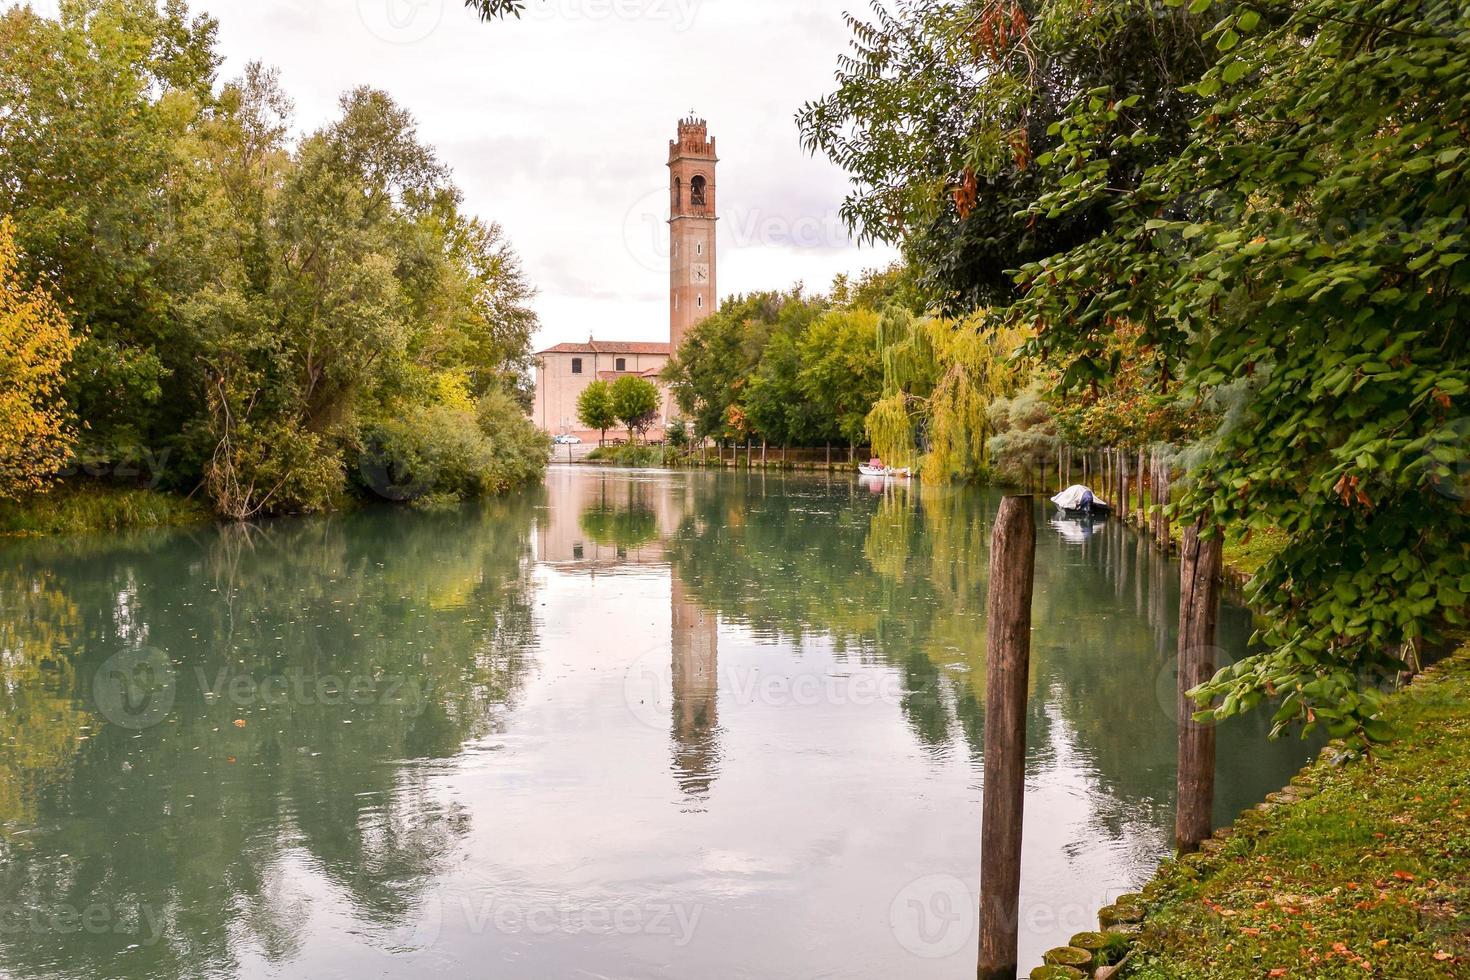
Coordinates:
(1080, 501)
(867, 469)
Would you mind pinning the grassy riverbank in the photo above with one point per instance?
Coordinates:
(76, 510)
(1367, 877)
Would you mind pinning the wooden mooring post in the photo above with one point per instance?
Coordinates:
(1199, 614)
(1166, 497)
(1142, 484)
(1008, 665)
(1123, 481)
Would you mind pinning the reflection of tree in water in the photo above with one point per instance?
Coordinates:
(901, 580)
(204, 821)
(41, 728)
(792, 560)
(620, 527)
(622, 516)
(1115, 683)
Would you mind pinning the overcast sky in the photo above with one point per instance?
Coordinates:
(557, 126)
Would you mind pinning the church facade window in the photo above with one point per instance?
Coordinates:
(621, 364)
(576, 365)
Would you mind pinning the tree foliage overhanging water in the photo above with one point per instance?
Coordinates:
(279, 319)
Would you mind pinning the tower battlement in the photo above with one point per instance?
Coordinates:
(694, 140)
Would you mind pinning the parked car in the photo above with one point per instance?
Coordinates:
(568, 440)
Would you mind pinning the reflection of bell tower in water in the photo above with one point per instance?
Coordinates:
(696, 651)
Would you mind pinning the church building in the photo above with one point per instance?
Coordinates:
(563, 372)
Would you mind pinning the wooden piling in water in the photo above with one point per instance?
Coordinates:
(1012, 582)
(1199, 613)
(1122, 505)
(1166, 497)
(1142, 500)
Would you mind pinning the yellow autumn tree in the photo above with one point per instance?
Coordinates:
(36, 343)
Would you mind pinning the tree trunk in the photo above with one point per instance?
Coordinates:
(1012, 581)
(1199, 613)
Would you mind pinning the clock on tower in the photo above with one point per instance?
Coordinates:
(692, 218)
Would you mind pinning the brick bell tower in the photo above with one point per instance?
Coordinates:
(692, 261)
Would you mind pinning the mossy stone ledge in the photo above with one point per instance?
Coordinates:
(1068, 956)
(1093, 942)
(1121, 913)
(1053, 972)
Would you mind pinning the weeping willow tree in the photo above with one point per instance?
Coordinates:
(909, 372)
(940, 378)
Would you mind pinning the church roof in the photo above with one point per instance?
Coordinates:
(610, 347)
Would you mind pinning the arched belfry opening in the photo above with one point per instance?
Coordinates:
(678, 194)
(697, 192)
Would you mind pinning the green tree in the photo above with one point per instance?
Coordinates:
(840, 371)
(1308, 244)
(943, 108)
(709, 373)
(596, 408)
(720, 376)
(635, 403)
(775, 404)
(96, 104)
(300, 302)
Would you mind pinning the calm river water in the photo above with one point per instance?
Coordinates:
(630, 725)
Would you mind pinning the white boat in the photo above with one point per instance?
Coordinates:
(1080, 500)
(885, 471)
